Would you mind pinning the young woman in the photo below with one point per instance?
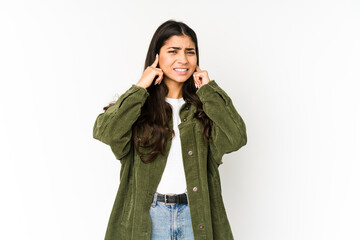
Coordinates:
(170, 131)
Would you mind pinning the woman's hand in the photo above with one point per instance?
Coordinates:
(201, 77)
(150, 73)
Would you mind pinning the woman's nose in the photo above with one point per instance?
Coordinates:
(183, 58)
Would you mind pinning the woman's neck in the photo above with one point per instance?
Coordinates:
(175, 89)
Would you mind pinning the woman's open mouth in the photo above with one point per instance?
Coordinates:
(181, 71)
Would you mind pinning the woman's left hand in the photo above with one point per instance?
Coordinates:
(201, 77)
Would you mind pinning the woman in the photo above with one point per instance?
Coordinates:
(170, 131)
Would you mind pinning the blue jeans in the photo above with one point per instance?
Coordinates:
(170, 222)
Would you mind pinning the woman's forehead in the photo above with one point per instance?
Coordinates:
(179, 42)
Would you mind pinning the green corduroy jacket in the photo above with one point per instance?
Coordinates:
(130, 218)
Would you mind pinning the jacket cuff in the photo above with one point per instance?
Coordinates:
(135, 88)
(140, 92)
(208, 88)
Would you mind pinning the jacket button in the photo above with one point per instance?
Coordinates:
(195, 189)
(213, 84)
(201, 226)
(184, 119)
(190, 153)
(186, 108)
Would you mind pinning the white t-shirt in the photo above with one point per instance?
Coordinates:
(173, 179)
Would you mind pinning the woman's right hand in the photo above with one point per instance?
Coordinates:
(150, 73)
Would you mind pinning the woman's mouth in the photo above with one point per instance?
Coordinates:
(181, 71)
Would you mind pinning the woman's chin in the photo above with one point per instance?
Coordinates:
(179, 79)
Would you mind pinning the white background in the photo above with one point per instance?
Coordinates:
(290, 67)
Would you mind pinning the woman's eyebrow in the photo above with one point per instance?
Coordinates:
(180, 48)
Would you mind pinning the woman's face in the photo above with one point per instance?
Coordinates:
(177, 54)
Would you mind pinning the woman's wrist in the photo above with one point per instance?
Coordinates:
(140, 85)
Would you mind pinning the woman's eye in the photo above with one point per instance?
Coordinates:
(175, 52)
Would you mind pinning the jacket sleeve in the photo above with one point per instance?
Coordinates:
(114, 126)
(228, 132)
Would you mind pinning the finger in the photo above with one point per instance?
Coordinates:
(158, 79)
(198, 68)
(156, 61)
(196, 77)
(199, 79)
(196, 82)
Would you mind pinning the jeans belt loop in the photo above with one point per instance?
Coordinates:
(154, 200)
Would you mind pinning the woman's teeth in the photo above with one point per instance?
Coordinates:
(180, 70)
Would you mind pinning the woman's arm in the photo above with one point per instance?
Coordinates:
(114, 126)
(228, 132)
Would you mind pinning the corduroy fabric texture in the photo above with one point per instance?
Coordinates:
(130, 219)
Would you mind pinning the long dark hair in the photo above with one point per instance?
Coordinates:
(151, 130)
